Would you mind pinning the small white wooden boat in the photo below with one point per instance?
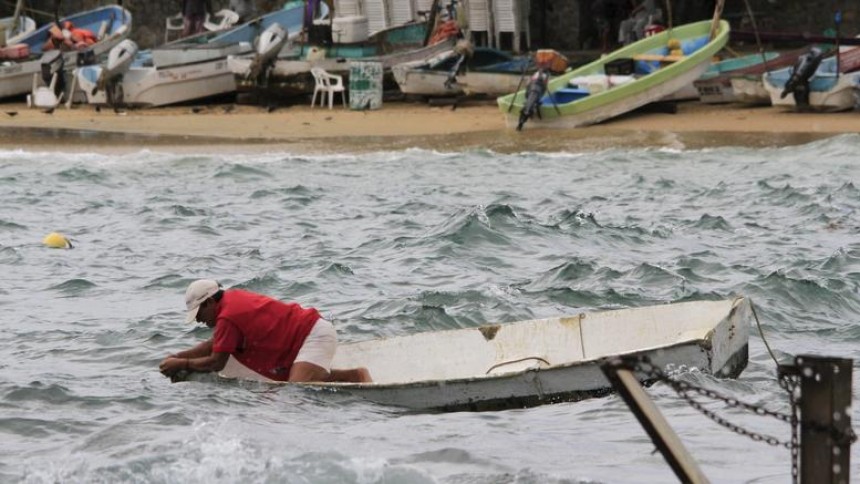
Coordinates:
(539, 361)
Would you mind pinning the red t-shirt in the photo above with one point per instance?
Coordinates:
(264, 334)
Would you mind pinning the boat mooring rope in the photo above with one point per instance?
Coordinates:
(516, 361)
(761, 332)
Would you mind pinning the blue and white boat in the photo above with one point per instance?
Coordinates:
(185, 69)
(111, 24)
(831, 89)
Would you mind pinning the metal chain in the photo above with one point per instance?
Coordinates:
(683, 389)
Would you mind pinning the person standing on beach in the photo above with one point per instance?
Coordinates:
(601, 16)
(277, 341)
(194, 14)
(643, 13)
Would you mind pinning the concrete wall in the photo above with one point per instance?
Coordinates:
(565, 25)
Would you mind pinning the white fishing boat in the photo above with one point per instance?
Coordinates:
(186, 69)
(539, 361)
(833, 86)
(463, 70)
(110, 25)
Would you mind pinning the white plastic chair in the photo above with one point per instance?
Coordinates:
(173, 24)
(226, 19)
(43, 96)
(327, 84)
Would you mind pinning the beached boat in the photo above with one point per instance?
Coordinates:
(110, 25)
(17, 28)
(290, 73)
(185, 69)
(539, 361)
(747, 85)
(648, 70)
(463, 70)
(715, 85)
(831, 89)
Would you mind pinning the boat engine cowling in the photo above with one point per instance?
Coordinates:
(110, 79)
(268, 45)
(534, 93)
(120, 57)
(802, 72)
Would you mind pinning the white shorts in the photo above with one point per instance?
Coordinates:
(319, 346)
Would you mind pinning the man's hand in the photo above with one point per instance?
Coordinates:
(172, 365)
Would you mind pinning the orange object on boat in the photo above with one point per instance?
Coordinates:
(443, 31)
(82, 35)
(551, 60)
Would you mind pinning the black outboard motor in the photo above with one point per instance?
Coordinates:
(803, 71)
(534, 93)
(464, 50)
(52, 63)
(452, 74)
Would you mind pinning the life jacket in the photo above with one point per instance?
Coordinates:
(443, 31)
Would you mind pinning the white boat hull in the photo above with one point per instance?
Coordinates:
(540, 361)
(750, 91)
(842, 97)
(149, 87)
(656, 93)
(716, 92)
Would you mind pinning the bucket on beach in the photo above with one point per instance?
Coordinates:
(365, 85)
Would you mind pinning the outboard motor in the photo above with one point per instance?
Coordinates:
(463, 49)
(52, 64)
(118, 61)
(269, 45)
(803, 71)
(535, 91)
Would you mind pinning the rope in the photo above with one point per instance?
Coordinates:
(757, 38)
(761, 332)
(516, 361)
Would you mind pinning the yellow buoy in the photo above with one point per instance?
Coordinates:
(55, 240)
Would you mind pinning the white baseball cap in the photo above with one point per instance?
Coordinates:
(197, 292)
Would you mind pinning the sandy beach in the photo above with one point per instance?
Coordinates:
(472, 125)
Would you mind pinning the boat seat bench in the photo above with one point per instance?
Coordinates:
(658, 58)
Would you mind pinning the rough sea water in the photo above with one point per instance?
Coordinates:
(393, 243)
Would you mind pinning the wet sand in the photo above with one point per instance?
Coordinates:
(472, 125)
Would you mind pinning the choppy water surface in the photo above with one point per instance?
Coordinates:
(392, 243)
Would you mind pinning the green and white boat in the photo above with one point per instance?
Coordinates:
(628, 78)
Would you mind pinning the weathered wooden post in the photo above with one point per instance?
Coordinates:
(624, 381)
(825, 418)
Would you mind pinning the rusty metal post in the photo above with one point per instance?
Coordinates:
(625, 383)
(825, 419)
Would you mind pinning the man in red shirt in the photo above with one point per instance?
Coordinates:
(277, 341)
